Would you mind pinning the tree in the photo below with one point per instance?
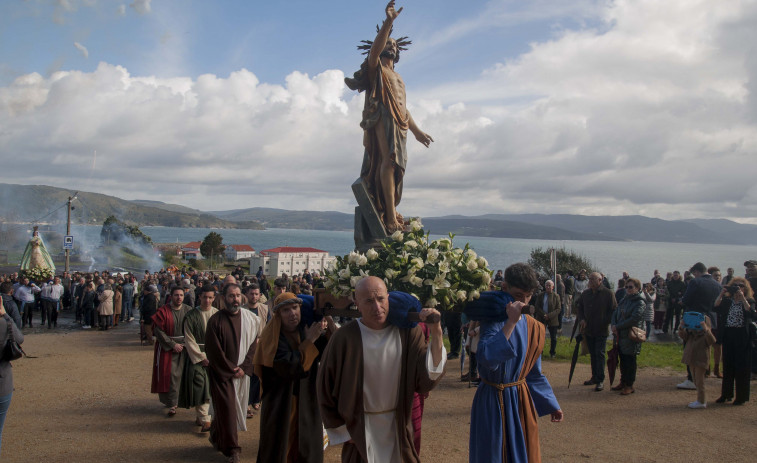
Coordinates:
(114, 230)
(211, 246)
(566, 260)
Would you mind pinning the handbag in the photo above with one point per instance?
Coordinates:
(12, 349)
(636, 334)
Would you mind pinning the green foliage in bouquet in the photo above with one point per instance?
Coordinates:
(38, 274)
(435, 272)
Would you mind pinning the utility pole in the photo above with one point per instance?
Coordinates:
(68, 227)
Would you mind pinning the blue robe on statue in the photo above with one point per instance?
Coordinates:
(501, 362)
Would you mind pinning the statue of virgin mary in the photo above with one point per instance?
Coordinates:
(36, 256)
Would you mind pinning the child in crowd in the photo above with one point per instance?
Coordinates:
(696, 354)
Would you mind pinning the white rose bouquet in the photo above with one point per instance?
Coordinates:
(435, 272)
(38, 274)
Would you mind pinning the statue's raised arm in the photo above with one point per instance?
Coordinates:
(383, 34)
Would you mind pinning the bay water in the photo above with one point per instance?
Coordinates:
(638, 258)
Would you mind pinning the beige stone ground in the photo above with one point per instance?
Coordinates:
(86, 399)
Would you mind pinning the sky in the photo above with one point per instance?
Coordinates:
(585, 107)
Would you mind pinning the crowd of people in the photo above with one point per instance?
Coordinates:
(250, 348)
(719, 340)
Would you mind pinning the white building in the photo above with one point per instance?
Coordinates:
(239, 251)
(290, 260)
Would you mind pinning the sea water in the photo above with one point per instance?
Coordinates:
(638, 258)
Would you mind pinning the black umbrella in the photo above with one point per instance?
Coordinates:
(574, 359)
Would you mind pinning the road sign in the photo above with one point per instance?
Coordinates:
(68, 242)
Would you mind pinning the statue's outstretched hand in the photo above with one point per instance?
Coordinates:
(424, 138)
(391, 13)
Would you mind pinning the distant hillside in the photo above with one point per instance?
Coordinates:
(168, 207)
(26, 203)
(735, 233)
(476, 226)
(280, 218)
(47, 204)
(640, 228)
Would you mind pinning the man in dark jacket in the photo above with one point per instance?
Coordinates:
(547, 308)
(676, 289)
(593, 312)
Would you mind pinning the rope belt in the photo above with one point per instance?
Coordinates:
(502, 387)
(380, 413)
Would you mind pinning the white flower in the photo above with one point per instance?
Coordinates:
(415, 224)
(371, 254)
(431, 303)
(461, 295)
(389, 273)
(417, 262)
(486, 278)
(482, 263)
(328, 283)
(444, 267)
(411, 244)
(398, 236)
(353, 257)
(361, 260)
(472, 265)
(417, 281)
(432, 256)
(345, 273)
(474, 295)
(354, 280)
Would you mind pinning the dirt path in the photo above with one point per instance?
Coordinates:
(86, 399)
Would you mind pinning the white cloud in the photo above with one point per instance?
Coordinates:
(141, 6)
(121, 10)
(82, 49)
(652, 112)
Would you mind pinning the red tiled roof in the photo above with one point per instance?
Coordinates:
(290, 249)
(193, 245)
(242, 247)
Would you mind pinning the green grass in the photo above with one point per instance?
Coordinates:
(656, 355)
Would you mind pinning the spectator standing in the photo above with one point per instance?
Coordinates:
(696, 355)
(700, 296)
(628, 314)
(736, 308)
(6, 371)
(676, 288)
(649, 299)
(547, 310)
(9, 305)
(593, 313)
(660, 305)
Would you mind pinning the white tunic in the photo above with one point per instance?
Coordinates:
(249, 334)
(382, 355)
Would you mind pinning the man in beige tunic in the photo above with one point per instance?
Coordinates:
(368, 375)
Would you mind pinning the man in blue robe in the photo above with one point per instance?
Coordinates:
(513, 391)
